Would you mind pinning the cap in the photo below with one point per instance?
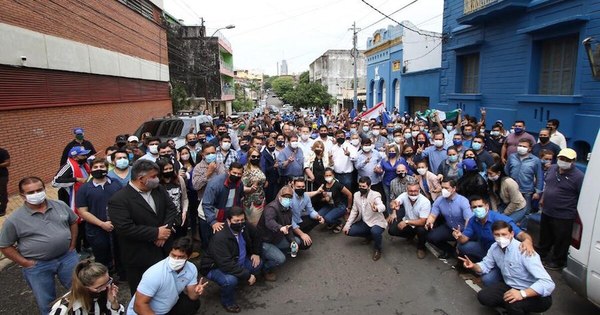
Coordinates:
(120, 138)
(568, 153)
(499, 121)
(469, 165)
(132, 139)
(78, 131)
(78, 150)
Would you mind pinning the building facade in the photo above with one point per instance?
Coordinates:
(403, 65)
(97, 65)
(523, 60)
(283, 68)
(335, 70)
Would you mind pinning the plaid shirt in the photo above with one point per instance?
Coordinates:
(226, 159)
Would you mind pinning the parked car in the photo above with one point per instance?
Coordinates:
(174, 127)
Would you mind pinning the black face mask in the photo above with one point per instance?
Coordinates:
(192, 143)
(99, 174)
(222, 133)
(245, 147)
(401, 175)
(237, 227)
(121, 144)
(271, 149)
(202, 140)
(168, 174)
(165, 156)
(363, 191)
(323, 135)
(340, 140)
(96, 295)
(330, 134)
(254, 161)
(544, 139)
(299, 192)
(408, 154)
(234, 178)
(280, 143)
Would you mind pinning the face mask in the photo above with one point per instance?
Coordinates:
(481, 130)
(544, 139)
(353, 130)
(99, 174)
(446, 193)
(202, 140)
(255, 161)
(421, 128)
(185, 157)
(476, 146)
(449, 127)
(367, 148)
(323, 135)
(280, 143)
(299, 192)
(413, 198)
(363, 191)
(375, 133)
(518, 130)
(494, 133)
(122, 164)
(294, 144)
(438, 143)
(152, 183)
(390, 130)
(401, 175)
(512, 130)
(286, 202)
(226, 145)
(493, 178)
(329, 179)
(452, 158)
(237, 227)
(457, 143)
(421, 142)
(397, 139)
(563, 165)
(245, 147)
(209, 158)
(37, 198)
(365, 128)
(304, 137)
(109, 159)
(422, 171)
(355, 142)
(414, 134)
(168, 174)
(408, 154)
(330, 134)
(480, 212)
(502, 241)
(467, 133)
(192, 143)
(271, 149)
(234, 178)
(392, 154)
(407, 135)
(153, 149)
(522, 150)
(176, 264)
(340, 141)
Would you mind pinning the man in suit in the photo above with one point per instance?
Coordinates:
(143, 216)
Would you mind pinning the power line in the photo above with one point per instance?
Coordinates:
(403, 25)
(402, 8)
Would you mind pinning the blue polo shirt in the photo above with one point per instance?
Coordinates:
(164, 285)
(456, 211)
(301, 207)
(476, 231)
(95, 197)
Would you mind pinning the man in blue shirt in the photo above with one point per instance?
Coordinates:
(368, 158)
(223, 192)
(291, 160)
(527, 286)
(435, 154)
(456, 211)
(526, 170)
(477, 237)
(304, 216)
(169, 286)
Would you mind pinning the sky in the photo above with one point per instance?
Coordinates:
(267, 31)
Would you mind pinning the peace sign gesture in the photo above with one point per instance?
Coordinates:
(467, 262)
(199, 289)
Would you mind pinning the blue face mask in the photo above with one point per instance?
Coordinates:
(518, 130)
(476, 146)
(453, 158)
(130, 157)
(210, 158)
(457, 143)
(286, 202)
(479, 212)
(122, 164)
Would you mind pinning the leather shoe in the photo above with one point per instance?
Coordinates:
(232, 308)
(420, 253)
(553, 266)
(444, 255)
(270, 276)
(376, 255)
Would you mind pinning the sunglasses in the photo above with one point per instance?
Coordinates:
(104, 286)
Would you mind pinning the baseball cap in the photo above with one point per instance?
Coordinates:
(568, 153)
(469, 165)
(78, 131)
(120, 138)
(499, 121)
(132, 139)
(78, 150)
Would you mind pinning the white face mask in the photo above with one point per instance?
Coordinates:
(449, 127)
(502, 241)
(109, 159)
(375, 133)
(153, 149)
(446, 193)
(354, 142)
(329, 179)
(413, 198)
(422, 171)
(226, 145)
(294, 144)
(176, 264)
(397, 139)
(563, 165)
(367, 148)
(304, 137)
(438, 143)
(185, 157)
(522, 150)
(414, 134)
(37, 198)
(494, 178)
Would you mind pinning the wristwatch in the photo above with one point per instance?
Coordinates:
(523, 293)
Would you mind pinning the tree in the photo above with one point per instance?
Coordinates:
(307, 95)
(242, 105)
(179, 97)
(282, 85)
(304, 77)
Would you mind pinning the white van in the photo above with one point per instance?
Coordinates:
(583, 264)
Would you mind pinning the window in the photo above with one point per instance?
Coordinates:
(469, 67)
(141, 6)
(558, 57)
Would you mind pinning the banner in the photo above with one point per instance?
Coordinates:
(372, 113)
(429, 114)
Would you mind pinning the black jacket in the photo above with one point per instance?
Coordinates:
(224, 253)
(273, 218)
(86, 144)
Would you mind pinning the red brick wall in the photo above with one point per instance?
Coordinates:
(35, 138)
(106, 24)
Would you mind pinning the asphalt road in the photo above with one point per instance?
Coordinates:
(337, 276)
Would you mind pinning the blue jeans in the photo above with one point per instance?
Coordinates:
(528, 199)
(374, 232)
(475, 251)
(228, 282)
(272, 256)
(439, 236)
(345, 179)
(40, 278)
(332, 213)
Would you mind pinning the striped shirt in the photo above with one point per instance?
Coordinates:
(61, 307)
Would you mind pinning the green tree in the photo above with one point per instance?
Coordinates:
(282, 85)
(304, 77)
(307, 95)
(179, 97)
(242, 105)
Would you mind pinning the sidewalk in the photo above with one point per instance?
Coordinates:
(14, 202)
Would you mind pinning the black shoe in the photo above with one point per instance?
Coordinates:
(444, 255)
(553, 266)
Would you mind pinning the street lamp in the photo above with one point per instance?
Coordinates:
(593, 56)
(228, 27)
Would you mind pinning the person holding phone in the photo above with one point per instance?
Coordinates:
(92, 292)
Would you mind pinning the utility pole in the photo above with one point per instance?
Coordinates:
(354, 54)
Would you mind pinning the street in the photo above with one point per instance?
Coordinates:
(338, 276)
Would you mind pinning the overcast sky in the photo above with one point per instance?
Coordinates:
(267, 31)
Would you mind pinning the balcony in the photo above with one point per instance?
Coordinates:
(227, 93)
(226, 69)
(479, 11)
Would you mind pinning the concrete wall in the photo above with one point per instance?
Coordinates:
(335, 70)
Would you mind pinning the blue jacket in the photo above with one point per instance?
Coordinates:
(215, 197)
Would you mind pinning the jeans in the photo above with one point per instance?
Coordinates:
(440, 236)
(475, 251)
(345, 179)
(205, 231)
(101, 245)
(493, 296)
(528, 199)
(518, 215)
(307, 224)
(333, 213)
(40, 278)
(228, 282)
(409, 232)
(272, 256)
(386, 196)
(374, 232)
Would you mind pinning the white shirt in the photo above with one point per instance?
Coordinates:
(342, 163)
(416, 211)
(558, 139)
(327, 143)
(306, 146)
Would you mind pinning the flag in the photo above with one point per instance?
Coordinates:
(429, 113)
(353, 113)
(371, 113)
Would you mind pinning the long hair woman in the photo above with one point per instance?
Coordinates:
(92, 292)
(254, 181)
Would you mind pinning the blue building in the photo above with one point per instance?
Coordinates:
(403, 68)
(523, 60)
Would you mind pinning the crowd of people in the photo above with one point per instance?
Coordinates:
(245, 194)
